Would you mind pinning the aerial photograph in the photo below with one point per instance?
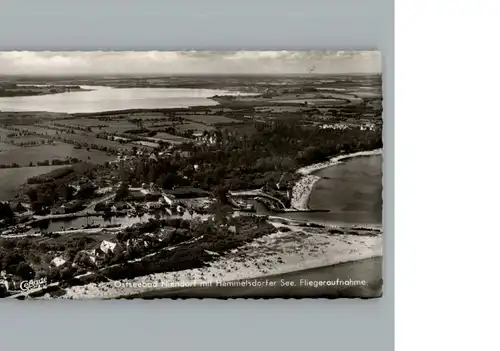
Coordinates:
(191, 174)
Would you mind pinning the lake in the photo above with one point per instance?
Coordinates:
(101, 98)
(351, 191)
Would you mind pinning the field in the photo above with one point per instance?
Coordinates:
(83, 122)
(241, 129)
(60, 151)
(153, 125)
(4, 133)
(152, 121)
(210, 119)
(90, 139)
(281, 109)
(196, 127)
(368, 94)
(119, 127)
(12, 178)
(7, 147)
(113, 126)
(329, 102)
(169, 137)
(150, 144)
(15, 117)
(27, 139)
(36, 129)
(149, 116)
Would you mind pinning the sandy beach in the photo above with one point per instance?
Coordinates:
(304, 284)
(283, 252)
(290, 251)
(304, 186)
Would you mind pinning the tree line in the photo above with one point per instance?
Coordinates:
(250, 161)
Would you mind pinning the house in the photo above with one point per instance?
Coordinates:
(104, 190)
(367, 126)
(154, 205)
(206, 138)
(107, 246)
(58, 261)
(340, 126)
(169, 199)
(86, 257)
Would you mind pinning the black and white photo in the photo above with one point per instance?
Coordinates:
(191, 174)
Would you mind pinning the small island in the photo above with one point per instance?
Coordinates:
(13, 90)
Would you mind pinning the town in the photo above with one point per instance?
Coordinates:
(96, 197)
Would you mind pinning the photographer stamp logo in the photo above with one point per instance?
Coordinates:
(26, 285)
(33, 284)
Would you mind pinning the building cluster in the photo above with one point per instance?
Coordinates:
(336, 126)
(106, 249)
(205, 138)
(69, 207)
(367, 126)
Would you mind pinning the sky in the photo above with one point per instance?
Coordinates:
(188, 62)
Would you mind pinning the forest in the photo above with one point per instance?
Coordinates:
(250, 161)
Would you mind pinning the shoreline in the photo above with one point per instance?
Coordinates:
(303, 187)
(210, 101)
(278, 253)
(284, 252)
(297, 284)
